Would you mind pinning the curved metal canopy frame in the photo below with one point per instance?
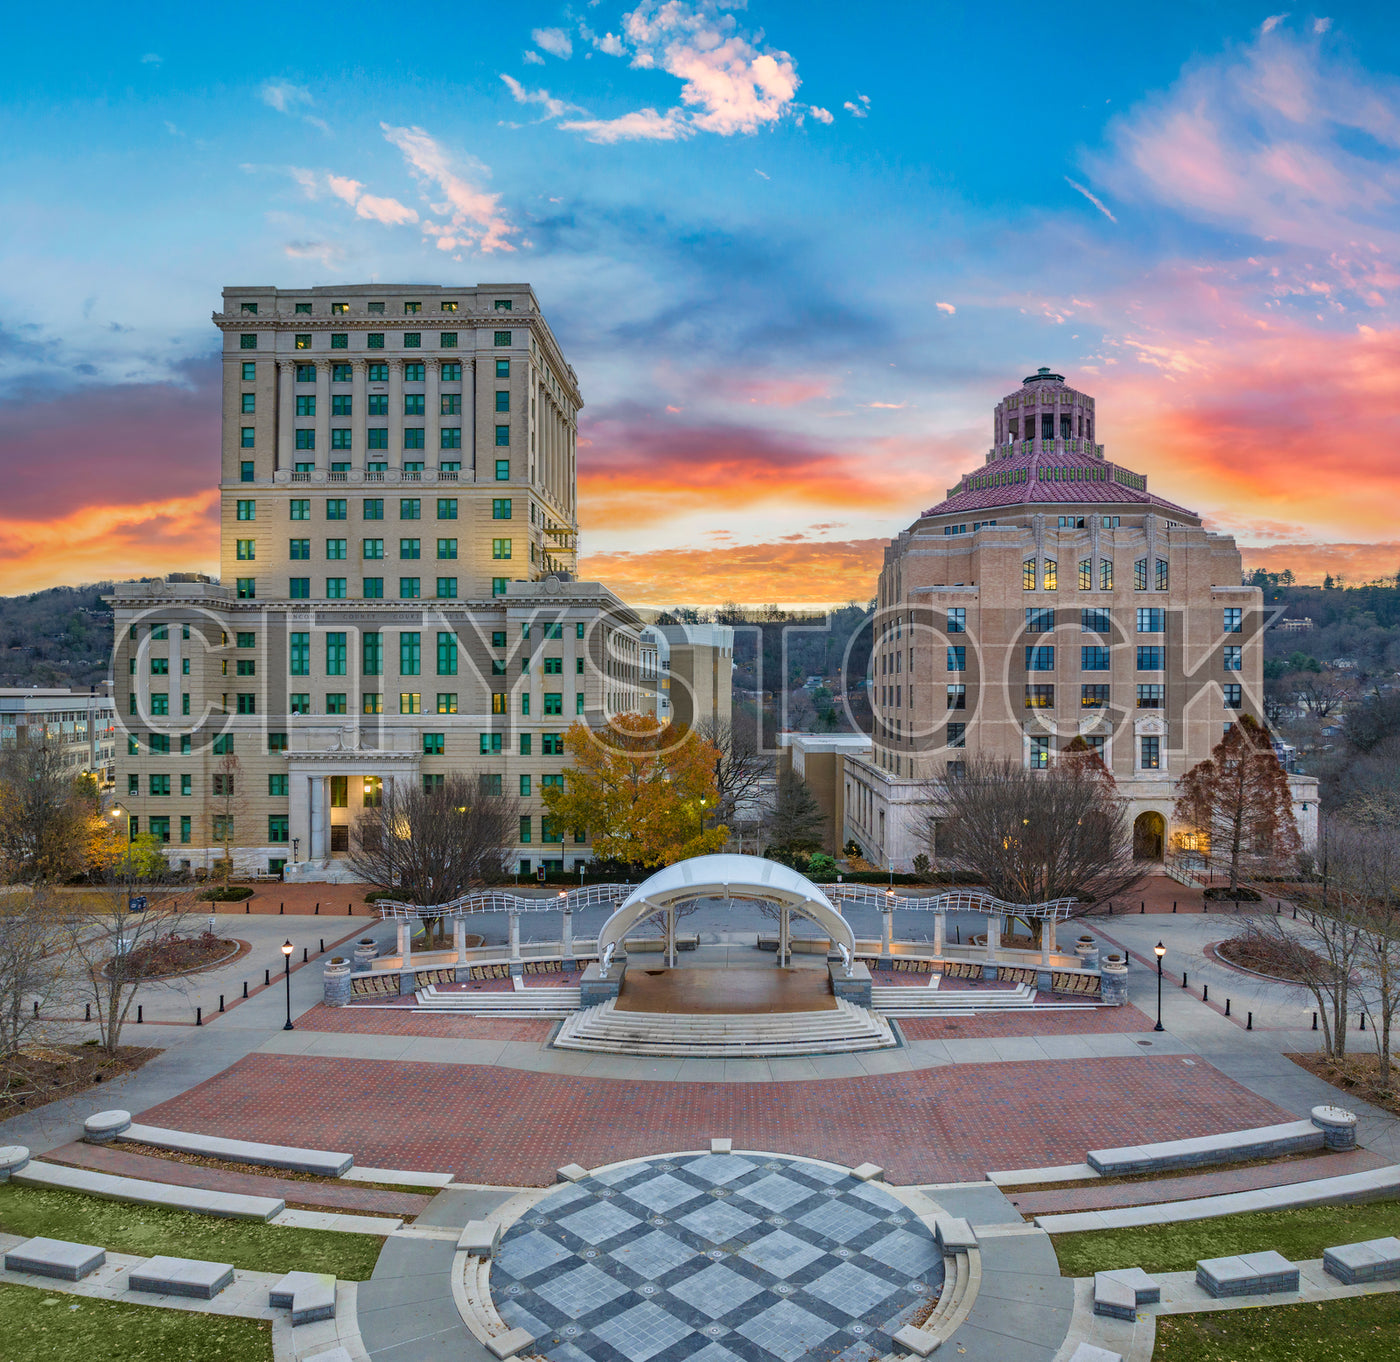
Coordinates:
(958, 901)
(726, 877)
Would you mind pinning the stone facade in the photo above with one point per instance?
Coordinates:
(1052, 595)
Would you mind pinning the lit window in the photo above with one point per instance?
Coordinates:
(1039, 753)
(1151, 750)
(1050, 577)
(1093, 697)
(1040, 696)
(1028, 575)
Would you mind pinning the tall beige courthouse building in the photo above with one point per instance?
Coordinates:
(399, 502)
(1053, 595)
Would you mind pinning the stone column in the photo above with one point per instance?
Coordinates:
(359, 410)
(335, 981)
(940, 928)
(395, 450)
(1047, 942)
(469, 414)
(670, 938)
(406, 983)
(459, 938)
(784, 936)
(513, 926)
(323, 411)
(319, 821)
(286, 412)
(566, 945)
(404, 928)
(989, 967)
(432, 420)
(886, 935)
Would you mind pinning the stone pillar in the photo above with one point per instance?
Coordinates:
(395, 450)
(459, 938)
(469, 413)
(784, 936)
(406, 984)
(940, 930)
(432, 420)
(335, 981)
(886, 935)
(1087, 949)
(365, 952)
(323, 412)
(1047, 942)
(320, 821)
(513, 926)
(989, 967)
(1338, 1126)
(286, 411)
(1113, 981)
(670, 938)
(566, 944)
(359, 410)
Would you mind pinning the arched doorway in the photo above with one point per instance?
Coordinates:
(1149, 836)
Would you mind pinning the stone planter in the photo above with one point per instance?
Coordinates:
(365, 952)
(13, 1157)
(104, 1126)
(1113, 981)
(335, 981)
(1338, 1126)
(1087, 949)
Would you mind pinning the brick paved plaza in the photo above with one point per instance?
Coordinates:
(508, 1126)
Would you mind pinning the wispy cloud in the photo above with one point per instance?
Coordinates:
(553, 108)
(858, 109)
(292, 100)
(820, 114)
(474, 217)
(946, 307)
(730, 82)
(390, 212)
(152, 59)
(1094, 199)
(554, 41)
(1272, 22)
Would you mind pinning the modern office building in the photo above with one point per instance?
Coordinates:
(80, 724)
(694, 672)
(399, 536)
(1051, 596)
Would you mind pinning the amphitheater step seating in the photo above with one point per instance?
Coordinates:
(526, 1002)
(842, 1029)
(908, 1000)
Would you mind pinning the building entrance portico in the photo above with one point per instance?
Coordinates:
(328, 790)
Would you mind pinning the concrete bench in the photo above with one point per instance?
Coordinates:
(480, 1238)
(1118, 1294)
(1374, 1260)
(308, 1295)
(181, 1277)
(953, 1234)
(1230, 1146)
(510, 1343)
(13, 1157)
(55, 1258)
(1249, 1274)
(233, 1205)
(322, 1161)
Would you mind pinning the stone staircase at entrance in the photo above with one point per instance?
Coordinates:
(843, 1029)
(547, 1002)
(911, 1000)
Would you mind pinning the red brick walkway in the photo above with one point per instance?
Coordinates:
(1148, 1193)
(393, 1021)
(1096, 1021)
(508, 1126)
(338, 1196)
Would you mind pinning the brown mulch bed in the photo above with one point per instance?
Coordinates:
(183, 955)
(39, 1075)
(1266, 957)
(1358, 1075)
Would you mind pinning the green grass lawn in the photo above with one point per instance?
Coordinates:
(1360, 1329)
(49, 1326)
(150, 1230)
(1297, 1234)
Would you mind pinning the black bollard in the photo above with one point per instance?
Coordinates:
(1249, 1025)
(36, 1007)
(1183, 978)
(221, 1002)
(348, 907)
(281, 908)
(247, 908)
(1295, 912)
(1227, 1007)
(1143, 909)
(1205, 907)
(1205, 993)
(318, 908)
(322, 951)
(87, 1012)
(245, 988)
(1363, 1021)
(305, 954)
(1173, 905)
(1314, 1021)
(267, 977)
(140, 1010)
(199, 1016)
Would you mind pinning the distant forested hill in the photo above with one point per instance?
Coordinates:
(59, 637)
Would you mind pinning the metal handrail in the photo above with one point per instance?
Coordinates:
(500, 901)
(957, 901)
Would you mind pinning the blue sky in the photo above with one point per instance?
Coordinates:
(796, 253)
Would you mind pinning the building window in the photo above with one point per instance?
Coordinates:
(246, 550)
(410, 654)
(447, 588)
(1105, 574)
(957, 735)
(1234, 695)
(1234, 618)
(299, 508)
(299, 588)
(410, 549)
(1095, 621)
(1151, 696)
(247, 588)
(446, 549)
(1093, 697)
(335, 588)
(1086, 574)
(247, 510)
(1040, 659)
(1140, 575)
(553, 703)
(447, 654)
(277, 828)
(1151, 620)
(502, 338)
(1162, 574)
(957, 658)
(447, 702)
(159, 786)
(503, 399)
(1039, 753)
(372, 548)
(447, 340)
(433, 745)
(335, 548)
(578, 702)
(372, 588)
(957, 620)
(500, 548)
(1094, 659)
(1028, 575)
(1040, 697)
(410, 508)
(502, 435)
(249, 340)
(1234, 658)
(413, 340)
(414, 373)
(447, 508)
(1040, 620)
(498, 585)
(503, 368)
(299, 702)
(335, 654)
(1149, 658)
(245, 471)
(371, 703)
(413, 437)
(1151, 750)
(410, 702)
(491, 744)
(1049, 577)
(336, 509)
(340, 439)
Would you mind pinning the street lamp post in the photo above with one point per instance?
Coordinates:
(1159, 951)
(287, 970)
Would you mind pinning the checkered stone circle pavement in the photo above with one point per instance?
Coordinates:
(716, 1258)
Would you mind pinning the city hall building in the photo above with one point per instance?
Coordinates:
(1052, 595)
(398, 601)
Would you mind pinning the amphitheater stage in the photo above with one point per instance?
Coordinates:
(729, 991)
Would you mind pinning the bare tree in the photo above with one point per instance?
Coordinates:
(1031, 836)
(430, 846)
(742, 765)
(229, 799)
(1320, 693)
(1239, 798)
(136, 914)
(31, 969)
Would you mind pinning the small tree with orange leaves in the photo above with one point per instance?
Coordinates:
(645, 791)
(1239, 798)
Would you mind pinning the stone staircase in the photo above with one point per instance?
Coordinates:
(842, 1029)
(523, 1003)
(911, 1000)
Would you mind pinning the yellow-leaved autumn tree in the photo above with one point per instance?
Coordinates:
(644, 791)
